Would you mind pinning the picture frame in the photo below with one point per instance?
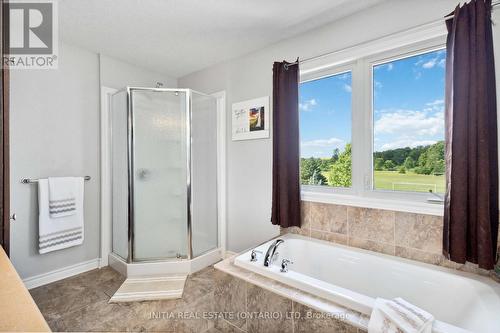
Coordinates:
(251, 119)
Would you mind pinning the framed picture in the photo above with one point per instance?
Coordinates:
(251, 119)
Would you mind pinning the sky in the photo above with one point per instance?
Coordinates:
(408, 106)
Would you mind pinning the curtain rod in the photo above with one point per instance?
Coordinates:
(299, 61)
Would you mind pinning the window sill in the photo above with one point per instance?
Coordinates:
(376, 203)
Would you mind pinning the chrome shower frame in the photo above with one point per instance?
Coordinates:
(130, 167)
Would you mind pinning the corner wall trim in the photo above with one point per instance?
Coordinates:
(106, 232)
(61, 273)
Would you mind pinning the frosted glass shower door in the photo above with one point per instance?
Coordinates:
(204, 173)
(160, 174)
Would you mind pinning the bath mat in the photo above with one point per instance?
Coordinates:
(150, 288)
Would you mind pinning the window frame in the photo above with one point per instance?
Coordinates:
(362, 192)
(324, 73)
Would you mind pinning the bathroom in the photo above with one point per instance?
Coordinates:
(356, 183)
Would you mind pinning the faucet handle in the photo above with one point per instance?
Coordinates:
(284, 265)
(253, 255)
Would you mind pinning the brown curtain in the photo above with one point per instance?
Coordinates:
(471, 203)
(286, 159)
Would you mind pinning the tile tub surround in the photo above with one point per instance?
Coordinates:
(407, 235)
(292, 310)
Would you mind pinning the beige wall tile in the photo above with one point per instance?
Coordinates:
(338, 219)
(371, 245)
(326, 217)
(412, 236)
(261, 301)
(371, 224)
(414, 254)
(329, 236)
(403, 223)
(314, 321)
(306, 214)
(298, 231)
(419, 231)
(320, 216)
(230, 296)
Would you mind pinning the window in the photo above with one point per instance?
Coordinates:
(325, 131)
(408, 128)
(373, 128)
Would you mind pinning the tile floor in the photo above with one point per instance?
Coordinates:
(80, 303)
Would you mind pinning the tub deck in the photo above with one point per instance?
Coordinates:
(353, 278)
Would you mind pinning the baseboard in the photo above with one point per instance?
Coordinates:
(61, 273)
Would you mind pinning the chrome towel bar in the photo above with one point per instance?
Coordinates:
(32, 181)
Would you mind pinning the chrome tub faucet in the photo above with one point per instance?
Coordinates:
(253, 255)
(271, 253)
(284, 265)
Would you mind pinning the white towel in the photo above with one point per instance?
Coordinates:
(62, 196)
(399, 316)
(62, 232)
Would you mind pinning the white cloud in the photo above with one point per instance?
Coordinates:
(308, 105)
(406, 143)
(378, 84)
(429, 64)
(347, 88)
(332, 142)
(436, 106)
(322, 148)
(390, 66)
(435, 103)
(408, 123)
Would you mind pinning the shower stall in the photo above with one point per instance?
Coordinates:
(164, 181)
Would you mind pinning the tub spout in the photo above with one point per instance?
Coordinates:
(271, 252)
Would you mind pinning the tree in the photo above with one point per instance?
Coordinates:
(310, 171)
(379, 164)
(389, 165)
(431, 160)
(409, 163)
(422, 159)
(325, 164)
(335, 155)
(439, 168)
(307, 168)
(435, 158)
(317, 178)
(340, 174)
(402, 169)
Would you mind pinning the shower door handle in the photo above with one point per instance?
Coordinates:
(143, 174)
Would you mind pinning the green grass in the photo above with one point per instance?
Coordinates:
(411, 182)
(385, 180)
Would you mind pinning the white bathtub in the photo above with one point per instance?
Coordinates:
(353, 278)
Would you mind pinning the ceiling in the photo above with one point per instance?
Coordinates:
(177, 37)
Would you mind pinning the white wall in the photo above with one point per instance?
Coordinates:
(250, 162)
(55, 119)
(54, 132)
(118, 74)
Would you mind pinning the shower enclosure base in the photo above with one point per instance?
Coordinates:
(156, 268)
